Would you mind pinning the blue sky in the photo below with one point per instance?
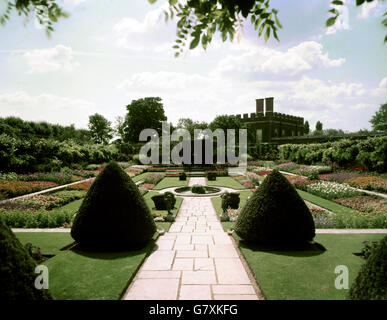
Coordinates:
(108, 53)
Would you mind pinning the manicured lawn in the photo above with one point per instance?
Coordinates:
(48, 242)
(141, 176)
(85, 275)
(72, 206)
(225, 182)
(327, 204)
(307, 275)
(169, 182)
(78, 274)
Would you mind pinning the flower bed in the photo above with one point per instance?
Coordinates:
(331, 190)
(154, 178)
(340, 176)
(368, 183)
(37, 219)
(148, 186)
(44, 201)
(14, 188)
(80, 186)
(365, 204)
(254, 178)
(156, 169)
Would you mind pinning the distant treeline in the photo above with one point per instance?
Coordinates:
(18, 128)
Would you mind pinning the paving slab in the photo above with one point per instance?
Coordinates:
(194, 260)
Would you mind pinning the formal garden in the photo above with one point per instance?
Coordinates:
(94, 225)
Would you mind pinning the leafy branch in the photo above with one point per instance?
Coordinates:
(46, 12)
(335, 13)
(199, 20)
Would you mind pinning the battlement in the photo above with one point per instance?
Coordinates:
(270, 116)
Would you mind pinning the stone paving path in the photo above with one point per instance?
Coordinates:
(194, 260)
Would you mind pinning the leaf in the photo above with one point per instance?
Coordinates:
(338, 3)
(334, 11)
(261, 29)
(331, 21)
(277, 21)
(275, 35)
(194, 42)
(152, 1)
(359, 2)
(267, 33)
(172, 2)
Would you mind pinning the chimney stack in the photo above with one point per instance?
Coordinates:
(269, 104)
(259, 105)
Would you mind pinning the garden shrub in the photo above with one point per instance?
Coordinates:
(113, 214)
(17, 270)
(197, 188)
(371, 281)
(230, 200)
(182, 176)
(165, 201)
(211, 175)
(275, 214)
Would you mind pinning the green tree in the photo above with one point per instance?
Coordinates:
(143, 114)
(100, 129)
(190, 125)
(319, 126)
(306, 127)
(379, 119)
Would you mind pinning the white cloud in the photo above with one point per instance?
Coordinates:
(59, 58)
(369, 9)
(203, 97)
(149, 34)
(45, 107)
(383, 83)
(266, 63)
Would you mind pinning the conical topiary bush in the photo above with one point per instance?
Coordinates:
(275, 215)
(113, 214)
(17, 270)
(371, 281)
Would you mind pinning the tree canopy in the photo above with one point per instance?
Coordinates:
(143, 114)
(379, 119)
(100, 129)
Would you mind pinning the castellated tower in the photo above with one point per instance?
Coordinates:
(265, 124)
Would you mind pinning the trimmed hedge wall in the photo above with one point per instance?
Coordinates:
(371, 153)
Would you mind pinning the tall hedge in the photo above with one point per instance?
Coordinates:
(113, 214)
(17, 270)
(371, 281)
(275, 215)
(371, 152)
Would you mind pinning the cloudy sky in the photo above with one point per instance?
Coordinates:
(109, 52)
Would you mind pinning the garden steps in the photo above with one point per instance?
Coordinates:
(194, 260)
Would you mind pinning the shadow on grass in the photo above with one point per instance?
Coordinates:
(111, 254)
(307, 250)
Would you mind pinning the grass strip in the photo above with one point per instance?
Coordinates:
(227, 182)
(306, 275)
(169, 182)
(327, 204)
(48, 242)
